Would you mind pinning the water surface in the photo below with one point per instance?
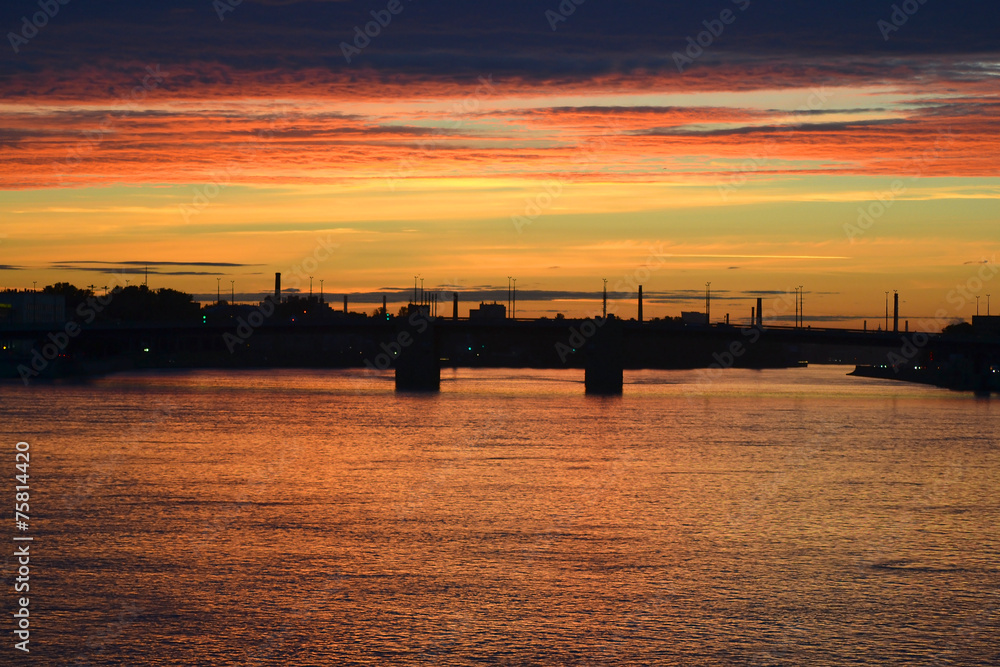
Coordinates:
(287, 517)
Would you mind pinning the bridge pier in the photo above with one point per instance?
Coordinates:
(604, 360)
(418, 367)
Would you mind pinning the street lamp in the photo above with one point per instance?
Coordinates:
(321, 290)
(232, 292)
(514, 303)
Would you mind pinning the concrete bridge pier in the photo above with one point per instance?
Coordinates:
(604, 359)
(418, 366)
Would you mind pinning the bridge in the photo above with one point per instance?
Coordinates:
(417, 346)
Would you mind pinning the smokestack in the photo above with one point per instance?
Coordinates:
(277, 287)
(753, 316)
(640, 303)
(895, 313)
(454, 309)
(384, 308)
(760, 311)
(345, 304)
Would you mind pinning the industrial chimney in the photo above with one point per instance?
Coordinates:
(277, 288)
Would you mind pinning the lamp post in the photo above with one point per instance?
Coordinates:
(232, 291)
(605, 308)
(310, 288)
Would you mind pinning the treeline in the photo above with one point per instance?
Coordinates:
(133, 303)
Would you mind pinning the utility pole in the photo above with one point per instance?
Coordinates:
(708, 303)
(508, 297)
(514, 302)
(232, 291)
(605, 316)
(218, 290)
(802, 305)
(415, 278)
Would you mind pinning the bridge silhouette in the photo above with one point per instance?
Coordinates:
(417, 346)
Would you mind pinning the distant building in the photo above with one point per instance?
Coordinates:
(692, 318)
(986, 325)
(29, 308)
(489, 311)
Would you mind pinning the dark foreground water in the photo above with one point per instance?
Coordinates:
(309, 518)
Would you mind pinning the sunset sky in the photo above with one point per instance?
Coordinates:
(468, 142)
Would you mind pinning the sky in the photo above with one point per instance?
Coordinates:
(849, 148)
